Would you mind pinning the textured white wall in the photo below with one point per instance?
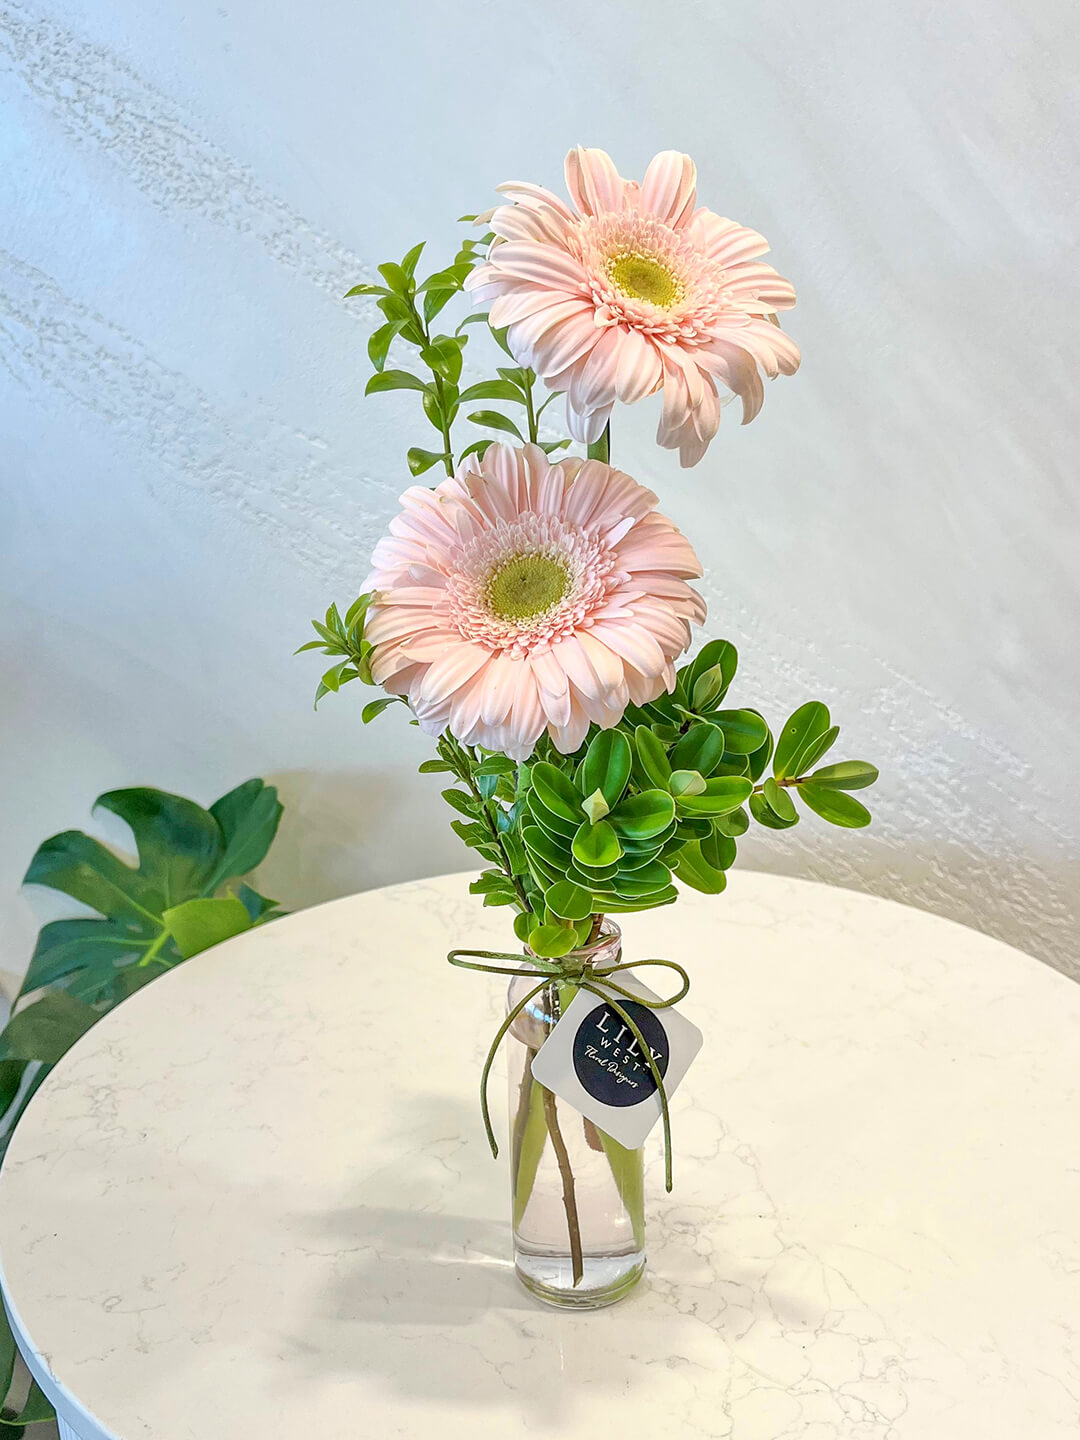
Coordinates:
(189, 471)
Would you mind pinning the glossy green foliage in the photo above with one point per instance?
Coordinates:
(665, 795)
(410, 306)
(151, 916)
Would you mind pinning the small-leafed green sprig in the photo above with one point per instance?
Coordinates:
(410, 307)
(667, 793)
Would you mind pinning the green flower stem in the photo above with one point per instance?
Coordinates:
(448, 449)
(448, 453)
(530, 411)
(562, 1156)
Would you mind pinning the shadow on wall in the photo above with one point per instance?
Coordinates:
(945, 879)
(353, 831)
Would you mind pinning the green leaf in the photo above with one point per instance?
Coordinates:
(846, 775)
(529, 1139)
(814, 752)
(179, 842)
(556, 791)
(366, 290)
(380, 340)
(435, 301)
(806, 725)
(744, 730)
(492, 420)
(7, 1355)
(11, 1076)
(35, 1409)
(376, 707)
(393, 380)
(724, 793)
(551, 942)
(651, 758)
(248, 818)
(82, 868)
(443, 355)
(523, 923)
(701, 748)
(357, 609)
(478, 447)
(687, 782)
(462, 803)
(496, 765)
(716, 653)
(757, 763)
(558, 826)
(66, 946)
(569, 901)
(718, 850)
(645, 880)
(420, 461)
(607, 766)
(779, 801)
(640, 817)
(765, 815)
(694, 870)
(708, 689)
(198, 924)
(408, 265)
(46, 1029)
(491, 390)
(395, 277)
(257, 906)
(615, 905)
(596, 845)
(433, 767)
(735, 824)
(834, 805)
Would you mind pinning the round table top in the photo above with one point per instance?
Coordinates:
(256, 1199)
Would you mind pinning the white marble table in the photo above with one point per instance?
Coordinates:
(255, 1201)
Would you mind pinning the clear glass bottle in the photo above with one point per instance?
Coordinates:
(577, 1194)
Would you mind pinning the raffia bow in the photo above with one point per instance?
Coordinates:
(594, 978)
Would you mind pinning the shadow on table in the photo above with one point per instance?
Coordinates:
(425, 1301)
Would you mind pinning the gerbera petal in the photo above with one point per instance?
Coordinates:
(595, 185)
(639, 369)
(551, 339)
(534, 196)
(450, 671)
(594, 382)
(669, 188)
(587, 428)
(542, 265)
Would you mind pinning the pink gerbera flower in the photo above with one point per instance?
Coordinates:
(634, 290)
(520, 596)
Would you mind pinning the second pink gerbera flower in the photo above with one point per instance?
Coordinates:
(521, 596)
(634, 289)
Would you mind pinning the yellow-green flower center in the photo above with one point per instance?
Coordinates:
(526, 586)
(644, 277)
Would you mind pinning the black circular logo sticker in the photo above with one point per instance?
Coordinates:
(608, 1060)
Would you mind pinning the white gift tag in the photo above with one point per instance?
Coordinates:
(592, 1061)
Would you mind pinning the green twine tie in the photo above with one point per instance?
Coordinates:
(585, 976)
